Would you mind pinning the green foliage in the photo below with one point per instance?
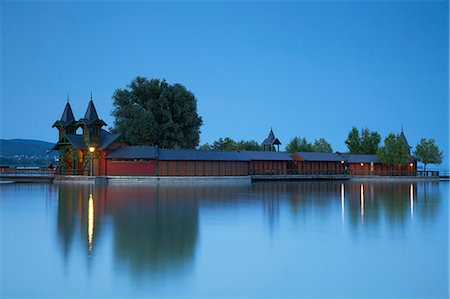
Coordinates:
(322, 146)
(427, 152)
(250, 145)
(153, 112)
(353, 141)
(365, 143)
(228, 144)
(205, 147)
(394, 151)
(298, 144)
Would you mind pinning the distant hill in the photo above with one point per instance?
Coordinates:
(26, 148)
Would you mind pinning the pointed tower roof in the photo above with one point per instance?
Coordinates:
(271, 139)
(403, 138)
(91, 116)
(91, 113)
(66, 117)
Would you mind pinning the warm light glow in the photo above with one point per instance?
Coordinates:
(410, 164)
(342, 162)
(90, 222)
(92, 149)
(362, 164)
(342, 201)
(362, 203)
(411, 199)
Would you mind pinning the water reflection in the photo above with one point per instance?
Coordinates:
(343, 202)
(90, 223)
(155, 230)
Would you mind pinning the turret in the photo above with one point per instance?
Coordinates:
(403, 138)
(91, 126)
(271, 141)
(67, 124)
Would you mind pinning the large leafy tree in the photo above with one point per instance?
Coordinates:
(366, 142)
(427, 152)
(394, 151)
(153, 112)
(298, 144)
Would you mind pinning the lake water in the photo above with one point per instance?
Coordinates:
(266, 239)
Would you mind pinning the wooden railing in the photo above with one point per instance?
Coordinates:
(296, 172)
(419, 173)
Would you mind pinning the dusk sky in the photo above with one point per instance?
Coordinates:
(309, 69)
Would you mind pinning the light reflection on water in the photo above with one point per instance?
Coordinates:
(261, 239)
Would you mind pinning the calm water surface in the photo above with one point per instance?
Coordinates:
(284, 239)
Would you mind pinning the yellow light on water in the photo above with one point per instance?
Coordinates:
(90, 222)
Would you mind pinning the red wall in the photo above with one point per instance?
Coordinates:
(130, 167)
(175, 168)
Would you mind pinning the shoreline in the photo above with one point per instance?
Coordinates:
(136, 180)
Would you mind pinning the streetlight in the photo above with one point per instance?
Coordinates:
(91, 150)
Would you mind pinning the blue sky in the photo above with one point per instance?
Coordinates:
(312, 69)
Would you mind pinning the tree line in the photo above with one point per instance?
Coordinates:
(154, 112)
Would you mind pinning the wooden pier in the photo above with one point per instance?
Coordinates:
(299, 177)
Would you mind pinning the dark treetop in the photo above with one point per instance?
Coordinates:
(153, 112)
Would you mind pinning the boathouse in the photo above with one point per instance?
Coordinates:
(319, 163)
(269, 162)
(149, 160)
(82, 154)
(95, 151)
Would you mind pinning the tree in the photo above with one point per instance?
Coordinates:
(394, 151)
(226, 144)
(365, 143)
(298, 144)
(353, 141)
(250, 145)
(153, 112)
(322, 146)
(205, 147)
(427, 152)
(370, 141)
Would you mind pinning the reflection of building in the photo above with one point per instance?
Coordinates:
(97, 152)
(81, 210)
(155, 228)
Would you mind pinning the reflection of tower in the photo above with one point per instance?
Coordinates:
(342, 202)
(272, 209)
(411, 199)
(90, 220)
(80, 210)
(362, 203)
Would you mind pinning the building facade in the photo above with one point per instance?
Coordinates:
(85, 148)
